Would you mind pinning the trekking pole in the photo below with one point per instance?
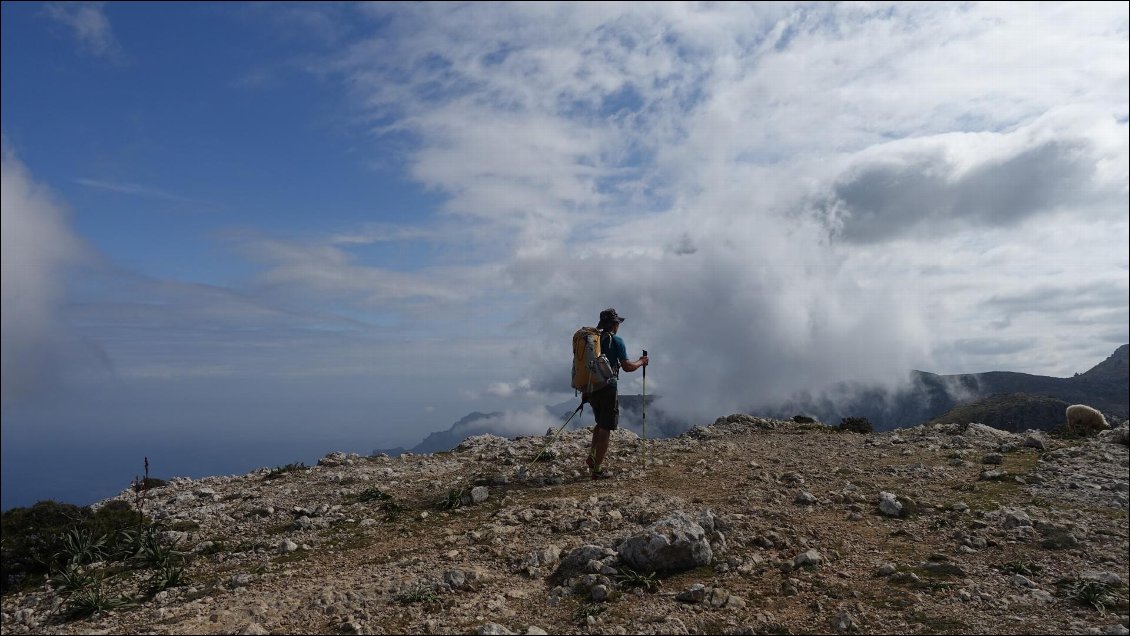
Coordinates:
(526, 468)
(643, 424)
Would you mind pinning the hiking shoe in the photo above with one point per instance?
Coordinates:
(603, 473)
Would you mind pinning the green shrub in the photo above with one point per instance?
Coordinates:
(30, 539)
(856, 425)
(421, 592)
(1090, 592)
(279, 471)
(148, 483)
(452, 500)
(111, 520)
(373, 494)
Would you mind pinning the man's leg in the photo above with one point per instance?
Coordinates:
(605, 409)
(600, 438)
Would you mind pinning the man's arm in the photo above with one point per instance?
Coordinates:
(630, 366)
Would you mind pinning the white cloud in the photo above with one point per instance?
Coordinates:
(678, 162)
(777, 196)
(90, 25)
(326, 269)
(39, 248)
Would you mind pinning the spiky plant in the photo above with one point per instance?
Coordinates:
(628, 578)
(80, 545)
(72, 578)
(166, 576)
(279, 471)
(150, 550)
(93, 600)
(1096, 594)
(421, 592)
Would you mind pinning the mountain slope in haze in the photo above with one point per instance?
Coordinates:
(475, 423)
(1013, 412)
(927, 398)
(1105, 386)
(659, 424)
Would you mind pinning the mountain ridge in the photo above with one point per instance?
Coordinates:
(930, 397)
(1106, 387)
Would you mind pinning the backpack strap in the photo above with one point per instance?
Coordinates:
(605, 350)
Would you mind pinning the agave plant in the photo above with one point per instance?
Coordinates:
(1097, 594)
(630, 578)
(81, 546)
(93, 600)
(166, 576)
(421, 592)
(72, 578)
(144, 546)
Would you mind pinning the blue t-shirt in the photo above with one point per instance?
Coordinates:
(617, 352)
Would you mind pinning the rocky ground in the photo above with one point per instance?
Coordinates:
(754, 525)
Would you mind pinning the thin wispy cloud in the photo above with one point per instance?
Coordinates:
(133, 189)
(89, 25)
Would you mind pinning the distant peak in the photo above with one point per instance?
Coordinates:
(1117, 365)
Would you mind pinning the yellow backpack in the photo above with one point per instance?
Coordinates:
(591, 369)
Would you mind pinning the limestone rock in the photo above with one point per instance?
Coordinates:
(672, 544)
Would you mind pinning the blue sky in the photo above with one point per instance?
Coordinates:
(238, 235)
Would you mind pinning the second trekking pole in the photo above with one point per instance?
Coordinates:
(526, 469)
(643, 424)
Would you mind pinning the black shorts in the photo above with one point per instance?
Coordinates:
(606, 407)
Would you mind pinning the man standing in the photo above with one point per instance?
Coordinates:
(605, 402)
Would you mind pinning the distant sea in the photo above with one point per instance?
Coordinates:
(82, 472)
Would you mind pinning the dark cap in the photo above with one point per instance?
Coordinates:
(607, 317)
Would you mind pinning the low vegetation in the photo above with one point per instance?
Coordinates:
(279, 471)
(856, 425)
(1092, 593)
(77, 550)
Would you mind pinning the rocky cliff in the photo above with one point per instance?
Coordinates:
(747, 526)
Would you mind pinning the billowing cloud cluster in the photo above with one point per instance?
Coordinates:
(39, 247)
(779, 197)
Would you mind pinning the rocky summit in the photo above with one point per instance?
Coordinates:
(747, 526)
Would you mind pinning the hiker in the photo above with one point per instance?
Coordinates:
(605, 401)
